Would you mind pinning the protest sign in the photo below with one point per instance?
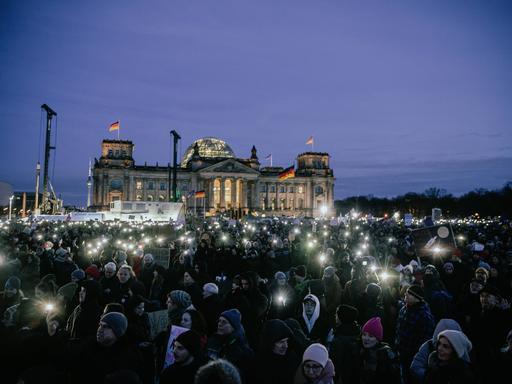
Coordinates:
(161, 255)
(408, 219)
(158, 322)
(437, 240)
(175, 332)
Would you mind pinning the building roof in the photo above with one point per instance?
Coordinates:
(209, 148)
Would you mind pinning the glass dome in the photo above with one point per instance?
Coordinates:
(209, 147)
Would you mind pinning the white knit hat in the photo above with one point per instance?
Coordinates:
(317, 353)
(211, 288)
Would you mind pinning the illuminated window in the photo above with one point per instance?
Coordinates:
(138, 185)
(300, 189)
(263, 188)
(290, 189)
(282, 189)
(272, 189)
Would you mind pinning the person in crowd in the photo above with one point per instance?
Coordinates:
(333, 292)
(128, 285)
(414, 326)
(377, 362)
(188, 358)
(316, 367)
(372, 303)
(138, 331)
(11, 295)
(146, 273)
(77, 276)
(219, 371)
(344, 347)
(419, 364)
(436, 295)
(109, 283)
(93, 272)
(230, 342)
(211, 306)
(63, 265)
(84, 320)
(66, 298)
(108, 352)
(177, 303)
(156, 291)
(282, 297)
(450, 362)
(191, 285)
(194, 320)
(276, 362)
(314, 325)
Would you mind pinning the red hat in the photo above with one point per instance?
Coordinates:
(374, 328)
(93, 271)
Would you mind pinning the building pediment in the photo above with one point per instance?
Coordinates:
(229, 166)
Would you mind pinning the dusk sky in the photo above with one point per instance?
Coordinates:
(404, 95)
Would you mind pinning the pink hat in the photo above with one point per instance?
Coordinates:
(374, 328)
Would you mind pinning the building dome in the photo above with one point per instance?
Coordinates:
(209, 147)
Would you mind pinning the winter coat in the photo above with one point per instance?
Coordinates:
(415, 325)
(181, 374)
(235, 350)
(110, 289)
(457, 371)
(84, 320)
(344, 351)
(211, 308)
(378, 365)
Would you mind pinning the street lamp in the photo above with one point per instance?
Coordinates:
(10, 207)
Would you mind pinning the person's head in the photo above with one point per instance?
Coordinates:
(453, 344)
(178, 299)
(111, 328)
(186, 347)
(136, 306)
(314, 360)
(89, 291)
(218, 371)
(77, 275)
(476, 285)
(125, 273)
(188, 277)
(245, 283)
(230, 323)
(12, 286)
(448, 268)
(274, 337)
(280, 278)
(489, 297)
(372, 333)
(148, 260)
(92, 272)
(67, 292)
(113, 307)
(482, 274)
(329, 273)
(193, 319)
(310, 305)
(346, 314)
(110, 269)
(414, 295)
(210, 289)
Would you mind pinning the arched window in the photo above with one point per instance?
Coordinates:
(116, 185)
(161, 198)
(319, 190)
(150, 197)
(138, 197)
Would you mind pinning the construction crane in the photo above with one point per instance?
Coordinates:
(174, 197)
(46, 198)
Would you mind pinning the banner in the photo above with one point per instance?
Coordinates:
(435, 241)
(162, 256)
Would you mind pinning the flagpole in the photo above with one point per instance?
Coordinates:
(204, 207)
(118, 129)
(271, 160)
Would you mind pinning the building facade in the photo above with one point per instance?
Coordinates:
(233, 185)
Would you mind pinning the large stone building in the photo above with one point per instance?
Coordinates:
(234, 185)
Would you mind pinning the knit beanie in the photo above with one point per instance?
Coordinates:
(347, 314)
(117, 321)
(13, 283)
(316, 352)
(218, 371)
(329, 272)
(416, 291)
(68, 291)
(374, 328)
(211, 288)
(279, 275)
(459, 342)
(110, 266)
(373, 290)
(78, 274)
(93, 271)
(234, 317)
(181, 298)
(448, 265)
(191, 341)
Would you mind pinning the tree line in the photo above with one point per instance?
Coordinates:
(482, 201)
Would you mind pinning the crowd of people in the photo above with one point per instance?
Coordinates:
(260, 300)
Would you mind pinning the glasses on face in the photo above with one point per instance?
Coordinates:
(312, 367)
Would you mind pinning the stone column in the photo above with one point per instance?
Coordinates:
(234, 194)
(105, 189)
(99, 186)
(243, 203)
(278, 207)
(222, 193)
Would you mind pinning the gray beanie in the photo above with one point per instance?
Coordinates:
(329, 272)
(181, 298)
(280, 275)
(13, 283)
(117, 321)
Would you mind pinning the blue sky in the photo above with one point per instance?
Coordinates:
(404, 95)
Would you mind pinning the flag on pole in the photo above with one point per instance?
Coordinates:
(114, 126)
(191, 193)
(310, 140)
(268, 157)
(200, 194)
(288, 173)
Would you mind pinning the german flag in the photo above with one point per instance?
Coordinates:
(200, 194)
(114, 126)
(288, 173)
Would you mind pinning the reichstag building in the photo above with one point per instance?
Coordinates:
(232, 185)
